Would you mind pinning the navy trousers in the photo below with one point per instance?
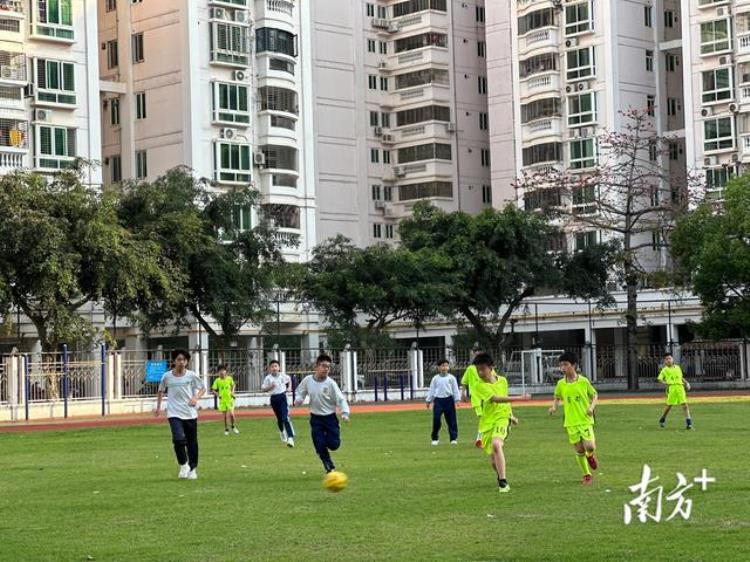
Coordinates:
(326, 436)
(444, 407)
(281, 409)
(185, 440)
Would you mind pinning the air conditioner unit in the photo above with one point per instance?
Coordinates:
(382, 65)
(259, 159)
(378, 131)
(388, 211)
(380, 204)
(240, 16)
(706, 112)
(569, 88)
(228, 134)
(218, 13)
(399, 171)
(710, 161)
(734, 108)
(380, 22)
(572, 42)
(721, 12)
(239, 75)
(726, 59)
(582, 86)
(393, 27)
(28, 91)
(387, 138)
(42, 115)
(450, 127)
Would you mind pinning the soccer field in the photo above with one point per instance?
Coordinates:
(112, 493)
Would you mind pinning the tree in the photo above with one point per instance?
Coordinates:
(496, 260)
(61, 248)
(628, 193)
(712, 250)
(379, 285)
(227, 264)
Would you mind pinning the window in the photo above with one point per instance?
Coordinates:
(656, 240)
(544, 152)
(585, 239)
(537, 64)
(370, 10)
(717, 85)
(376, 193)
(230, 43)
(54, 19)
(386, 157)
(370, 45)
(484, 155)
(648, 18)
(377, 230)
(232, 162)
(582, 154)
(674, 151)
(482, 82)
(578, 18)
(412, 6)
(536, 20)
(276, 41)
(546, 107)
(56, 147)
(383, 48)
(649, 60)
(412, 191)
(141, 164)
(384, 83)
(112, 54)
(715, 36)
(230, 103)
(387, 193)
(385, 119)
(651, 105)
(480, 14)
(484, 121)
(718, 134)
(421, 77)
(580, 63)
(669, 18)
(481, 49)
(10, 25)
(140, 105)
(372, 82)
(115, 168)
(584, 200)
(653, 151)
(487, 194)
(110, 5)
(540, 199)
(429, 151)
(242, 218)
(283, 216)
(422, 114)
(672, 106)
(419, 41)
(374, 156)
(374, 116)
(273, 98)
(114, 111)
(280, 157)
(55, 82)
(137, 43)
(382, 12)
(717, 178)
(673, 62)
(582, 109)
(389, 231)
(281, 65)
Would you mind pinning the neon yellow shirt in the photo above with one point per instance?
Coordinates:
(223, 386)
(671, 375)
(470, 380)
(576, 398)
(492, 412)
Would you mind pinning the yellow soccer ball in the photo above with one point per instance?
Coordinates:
(335, 481)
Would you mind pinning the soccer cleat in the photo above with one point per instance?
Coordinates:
(689, 427)
(282, 434)
(235, 431)
(454, 442)
(192, 475)
(588, 480)
(329, 467)
(592, 462)
(290, 442)
(503, 489)
(435, 442)
(184, 471)
(226, 432)
(662, 422)
(478, 443)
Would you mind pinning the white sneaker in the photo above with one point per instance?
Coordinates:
(236, 431)
(184, 470)
(282, 434)
(192, 475)
(454, 442)
(290, 442)
(226, 432)
(435, 443)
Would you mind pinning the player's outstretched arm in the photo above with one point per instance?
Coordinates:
(501, 399)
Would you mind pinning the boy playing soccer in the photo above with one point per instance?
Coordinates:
(444, 392)
(469, 380)
(579, 400)
(278, 384)
(496, 416)
(324, 395)
(223, 387)
(184, 389)
(671, 377)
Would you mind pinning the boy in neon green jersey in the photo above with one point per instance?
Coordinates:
(579, 400)
(223, 387)
(671, 377)
(497, 415)
(469, 381)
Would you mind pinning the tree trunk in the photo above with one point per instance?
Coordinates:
(631, 332)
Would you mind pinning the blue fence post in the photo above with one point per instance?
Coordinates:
(375, 386)
(65, 380)
(27, 379)
(401, 384)
(385, 388)
(103, 354)
(294, 388)
(411, 387)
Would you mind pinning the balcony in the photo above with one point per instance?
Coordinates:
(539, 39)
(424, 170)
(430, 56)
(422, 131)
(279, 10)
(12, 9)
(274, 181)
(417, 94)
(13, 68)
(745, 147)
(539, 128)
(14, 144)
(276, 126)
(429, 19)
(540, 83)
(743, 43)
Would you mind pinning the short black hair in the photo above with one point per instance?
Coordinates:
(323, 357)
(443, 362)
(272, 361)
(668, 354)
(221, 367)
(484, 359)
(568, 356)
(177, 352)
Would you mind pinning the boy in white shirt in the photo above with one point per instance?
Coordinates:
(278, 384)
(445, 394)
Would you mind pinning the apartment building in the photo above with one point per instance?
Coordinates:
(49, 86)
(400, 112)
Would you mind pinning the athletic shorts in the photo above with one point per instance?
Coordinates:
(577, 433)
(500, 430)
(676, 395)
(226, 404)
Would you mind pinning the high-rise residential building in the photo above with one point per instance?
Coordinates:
(576, 66)
(49, 86)
(401, 115)
(219, 86)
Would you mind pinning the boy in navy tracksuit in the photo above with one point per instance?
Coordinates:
(445, 394)
(278, 384)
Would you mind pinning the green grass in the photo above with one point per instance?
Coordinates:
(112, 494)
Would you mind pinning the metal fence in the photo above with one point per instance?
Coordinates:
(3, 383)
